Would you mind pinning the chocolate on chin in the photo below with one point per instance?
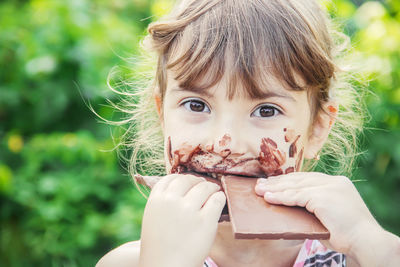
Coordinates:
(252, 217)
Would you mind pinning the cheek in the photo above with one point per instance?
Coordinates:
(177, 157)
(281, 154)
(186, 129)
(181, 134)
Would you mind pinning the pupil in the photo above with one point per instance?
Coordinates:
(266, 112)
(196, 106)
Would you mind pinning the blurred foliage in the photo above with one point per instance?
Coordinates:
(66, 202)
(375, 31)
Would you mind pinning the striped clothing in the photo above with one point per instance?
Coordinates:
(312, 254)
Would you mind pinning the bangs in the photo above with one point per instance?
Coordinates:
(250, 41)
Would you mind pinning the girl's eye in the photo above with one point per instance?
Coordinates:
(196, 106)
(266, 111)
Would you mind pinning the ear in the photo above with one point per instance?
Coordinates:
(157, 99)
(320, 129)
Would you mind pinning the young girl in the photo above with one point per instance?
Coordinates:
(237, 84)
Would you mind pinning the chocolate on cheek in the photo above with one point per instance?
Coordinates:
(180, 157)
(290, 134)
(293, 147)
(299, 159)
(291, 137)
(226, 139)
(271, 158)
(169, 150)
(289, 170)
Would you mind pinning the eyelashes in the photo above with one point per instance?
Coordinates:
(262, 111)
(196, 105)
(266, 111)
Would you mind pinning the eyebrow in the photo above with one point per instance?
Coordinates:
(270, 94)
(266, 94)
(204, 92)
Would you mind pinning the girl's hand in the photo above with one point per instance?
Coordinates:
(333, 199)
(180, 221)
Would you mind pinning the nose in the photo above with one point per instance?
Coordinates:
(228, 137)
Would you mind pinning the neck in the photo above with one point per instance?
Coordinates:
(256, 252)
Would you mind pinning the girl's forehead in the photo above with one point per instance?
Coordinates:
(256, 46)
(252, 76)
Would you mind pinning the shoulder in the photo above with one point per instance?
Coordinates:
(124, 255)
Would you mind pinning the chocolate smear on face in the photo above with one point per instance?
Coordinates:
(299, 159)
(290, 134)
(203, 159)
(293, 148)
(224, 153)
(210, 148)
(169, 151)
(271, 158)
(183, 156)
(289, 170)
(226, 139)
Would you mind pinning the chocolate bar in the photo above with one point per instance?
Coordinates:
(252, 217)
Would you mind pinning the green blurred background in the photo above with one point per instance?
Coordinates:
(65, 198)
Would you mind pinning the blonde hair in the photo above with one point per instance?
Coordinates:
(282, 38)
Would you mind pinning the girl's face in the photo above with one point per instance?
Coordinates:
(208, 133)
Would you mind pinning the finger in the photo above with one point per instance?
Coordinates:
(262, 188)
(310, 198)
(292, 197)
(199, 194)
(293, 176)
(293, 180)
(281, 183)
(183, 183)
(214, 205)
(163, 183)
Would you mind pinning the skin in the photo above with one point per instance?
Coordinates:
(234, 119)
(180, 223)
